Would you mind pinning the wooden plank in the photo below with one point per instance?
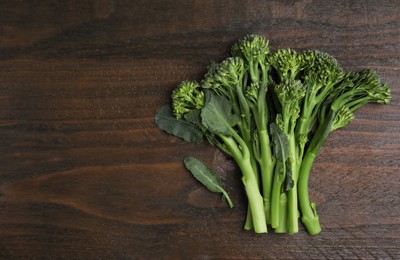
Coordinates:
(84, 172)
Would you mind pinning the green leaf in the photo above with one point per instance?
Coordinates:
(206, 176)
(193, 116)
(289, 182)
(217, 114)
(281, 148)
(188, 131)
(280, 142)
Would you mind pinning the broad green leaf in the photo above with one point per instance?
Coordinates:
(188, 131)
(280, 142)
(206, 176)
(217, 114)
(193, 116)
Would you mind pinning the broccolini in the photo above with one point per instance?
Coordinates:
(271, 111)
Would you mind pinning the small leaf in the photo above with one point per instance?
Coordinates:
(206, 176)
(289, 178)
(280, 142)
(186, 130)
(202, 173)
(217, 114)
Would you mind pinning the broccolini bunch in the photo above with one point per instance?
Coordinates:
(271, 111)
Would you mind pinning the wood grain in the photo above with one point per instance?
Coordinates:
(85, 174)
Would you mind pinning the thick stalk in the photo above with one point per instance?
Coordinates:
(261, 114)
(309, 217)
(282, 227)
(245, 127)
(248, 224)
(303, 123)
(255, 199)
(267, 168)
(276, 209)
(309, 214)
(293, 215)
(242, 158)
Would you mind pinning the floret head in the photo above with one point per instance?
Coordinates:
(287, 63)
(225, 76)
(186, 97)
(251, 48)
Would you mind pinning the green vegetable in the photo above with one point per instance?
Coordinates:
(271, 112)
(206, 176)
(180, 128)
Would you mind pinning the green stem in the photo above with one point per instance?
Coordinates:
(261, 114)
(356, 104)
(309, 214)
(293, 215)
(244, 107)
(282, 227)
(246, 141)
(253, 70)
(276, 196)
(248, 224)
(267, 168)
(303, 123)
(242, 158)
(228, 199)
(255, 198)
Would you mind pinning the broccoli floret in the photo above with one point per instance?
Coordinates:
(254, 49)
(342, 118)
(321, 72)
(186, 97)
(223, 78)
(365, 88)
(287, 64)
(290, 94)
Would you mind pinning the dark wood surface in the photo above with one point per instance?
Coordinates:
(85, 174)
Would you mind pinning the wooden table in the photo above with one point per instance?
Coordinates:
(85, 174)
